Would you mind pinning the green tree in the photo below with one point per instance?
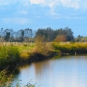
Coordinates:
(69, 34)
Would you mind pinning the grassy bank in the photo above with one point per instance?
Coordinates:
(71, 48)
(12, 54)
(9, 56)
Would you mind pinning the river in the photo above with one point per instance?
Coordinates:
(66, 71)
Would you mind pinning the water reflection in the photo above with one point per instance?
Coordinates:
(69, 71)
(41, 67)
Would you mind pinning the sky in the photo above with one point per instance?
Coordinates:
(35, 14)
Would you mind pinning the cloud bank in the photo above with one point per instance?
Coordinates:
(75, 4)
(21, 10)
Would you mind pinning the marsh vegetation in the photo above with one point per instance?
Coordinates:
(12, 54)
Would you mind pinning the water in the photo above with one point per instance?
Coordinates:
(69, 71)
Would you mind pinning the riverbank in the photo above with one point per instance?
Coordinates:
(13, 54)
(71, 48)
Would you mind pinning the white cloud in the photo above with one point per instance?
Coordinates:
(3, 2)
(16, 20)
(84, 5)
(22, 12)
(71, 3)
(24, 2)
(36, 1)
(9, 2)
(76, 4)
(51, 3)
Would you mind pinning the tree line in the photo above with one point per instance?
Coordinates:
(61, 34)
(29, 35)
(9, 35)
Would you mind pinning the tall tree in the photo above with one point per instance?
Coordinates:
(48, 33)
(21, 35)
(69, 34)
(7, 34)
(28, 33)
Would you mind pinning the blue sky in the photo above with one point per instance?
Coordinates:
(34, 14)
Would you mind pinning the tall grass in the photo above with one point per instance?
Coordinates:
(13, 53)
(71, 48)
(9, 56)
(6, 80)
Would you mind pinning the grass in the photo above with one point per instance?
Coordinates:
(9, 56)
(12, 54)
(68, 47)
(6, 80)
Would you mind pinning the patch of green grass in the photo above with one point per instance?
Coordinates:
(71, 48)
(12, 53)
(9, 56)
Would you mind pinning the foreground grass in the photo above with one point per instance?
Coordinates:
(6, 80)
(9, 56)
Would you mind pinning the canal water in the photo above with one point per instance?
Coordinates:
(66, 71)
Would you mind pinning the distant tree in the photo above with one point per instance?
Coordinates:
(21, 35)
(60, 38)
(11, 35)
(7, 35)
(1, 35)
(51, 34)
(79, 38)
(1, 31)
(28, 33)
(60, 31)
(48, 33)
(69, 34)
